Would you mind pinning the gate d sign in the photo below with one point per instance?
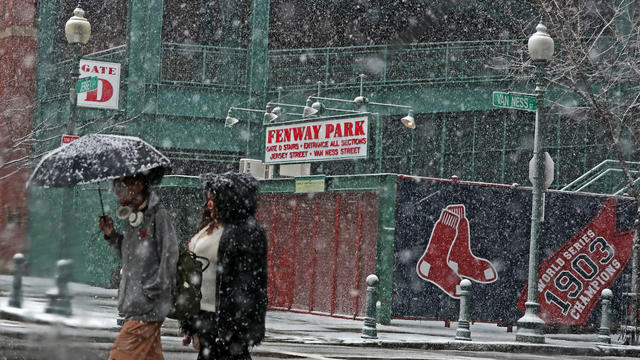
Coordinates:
(107, 91)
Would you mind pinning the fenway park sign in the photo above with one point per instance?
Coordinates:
(335, 139)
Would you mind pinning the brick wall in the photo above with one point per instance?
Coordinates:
(17, 82)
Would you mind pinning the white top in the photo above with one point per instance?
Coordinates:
(206, 245)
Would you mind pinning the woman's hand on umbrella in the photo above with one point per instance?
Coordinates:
(106, 225)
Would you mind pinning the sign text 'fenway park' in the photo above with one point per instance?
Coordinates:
(344, 138)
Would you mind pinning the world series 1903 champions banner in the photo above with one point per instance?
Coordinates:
(447, 231)
(571, 279)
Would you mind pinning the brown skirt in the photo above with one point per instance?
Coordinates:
(138, 340)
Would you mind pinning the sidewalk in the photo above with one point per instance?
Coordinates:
(94, 320)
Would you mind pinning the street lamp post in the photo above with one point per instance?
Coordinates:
(530, 326)
(77, 30)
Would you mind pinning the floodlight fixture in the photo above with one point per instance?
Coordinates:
(318, 107)
(409, 121)
(361, 102)
(230, 121)
(271, 114)
(308, 110)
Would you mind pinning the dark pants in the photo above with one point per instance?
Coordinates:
(204, 327)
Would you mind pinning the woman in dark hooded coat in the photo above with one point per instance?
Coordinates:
(236, 322)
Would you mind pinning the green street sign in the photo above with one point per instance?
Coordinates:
(87, 84)
(515, 101)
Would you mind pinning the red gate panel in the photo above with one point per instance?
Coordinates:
(304, 240)
(367, 246)
(323, 253)
(321, 249)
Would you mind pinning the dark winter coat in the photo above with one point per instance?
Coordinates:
(149, 253)
(241, 299)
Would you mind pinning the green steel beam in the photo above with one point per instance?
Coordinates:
(153, 54)
(385, 249)
(144, 31)
(44, 232)
(259, 50)
(46, 46)
(46, 71)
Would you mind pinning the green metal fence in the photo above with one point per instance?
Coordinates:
(389, 64)
(383, 64)
(204, 65)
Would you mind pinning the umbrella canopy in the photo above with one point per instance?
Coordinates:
(97, 157)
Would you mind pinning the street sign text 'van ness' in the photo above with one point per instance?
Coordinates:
(515, 101)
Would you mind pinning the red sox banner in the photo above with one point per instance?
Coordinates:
(447, 231)
(571, 279)
(450, 236)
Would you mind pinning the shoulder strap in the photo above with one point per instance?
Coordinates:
(205, 259)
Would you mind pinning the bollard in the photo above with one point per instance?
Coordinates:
(464, 332)
(369, 328)
(605, 318)
(59, 297)
(16, 291)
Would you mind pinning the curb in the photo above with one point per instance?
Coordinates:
(49, 319)
(595, 350)
(108, 334)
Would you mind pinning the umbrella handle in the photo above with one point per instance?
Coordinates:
(100, 195)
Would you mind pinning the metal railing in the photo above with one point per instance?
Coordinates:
(204, 65)
(606, 177)
(201, 65)
(463, 61)
(116, 54)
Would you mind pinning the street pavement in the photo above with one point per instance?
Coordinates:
(89, 332)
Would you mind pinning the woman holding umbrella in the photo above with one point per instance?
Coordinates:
(234, 286)
(149, 251)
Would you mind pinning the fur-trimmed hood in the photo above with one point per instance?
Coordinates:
(235, 195)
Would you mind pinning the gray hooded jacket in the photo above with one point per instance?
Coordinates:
(149, 254)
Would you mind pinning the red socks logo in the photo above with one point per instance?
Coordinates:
(448, 256)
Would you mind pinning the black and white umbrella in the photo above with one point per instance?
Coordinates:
(96, 157)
